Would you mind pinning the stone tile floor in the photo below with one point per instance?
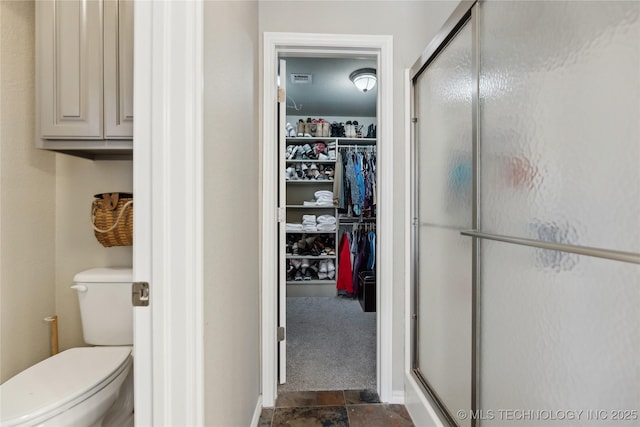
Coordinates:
(348, 408)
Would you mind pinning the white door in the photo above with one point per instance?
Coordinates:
(168, 211)
(282, 201)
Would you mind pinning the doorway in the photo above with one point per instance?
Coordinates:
(327, 190)
(274, 220)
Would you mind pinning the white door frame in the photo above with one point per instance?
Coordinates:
(382, 46)
(168, 215)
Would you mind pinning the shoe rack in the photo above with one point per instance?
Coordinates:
(311, 254)
(311, 259)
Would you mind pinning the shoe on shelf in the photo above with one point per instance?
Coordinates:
(370, 131)
(329, 172)
(305, 263)
(300, 128)
(306, 149)
(330, 266)
(289, 130)
(326, 128)
(298, 277)
(323, 267)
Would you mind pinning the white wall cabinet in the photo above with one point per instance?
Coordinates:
(84, 58)
(118, 68)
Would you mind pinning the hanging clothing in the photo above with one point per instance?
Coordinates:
(354, 187)
(338, 198)
(344, 282)
(372, 250)
(359, 203)
(360, 261)
(357, 193)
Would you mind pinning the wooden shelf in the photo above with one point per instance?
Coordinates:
(310, 257)
(310, 207)
(312, 282)
(309, 181)
(309, 161)
(311, 232)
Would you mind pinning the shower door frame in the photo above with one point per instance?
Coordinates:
(464, 14)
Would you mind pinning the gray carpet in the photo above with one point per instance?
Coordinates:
(331, 345)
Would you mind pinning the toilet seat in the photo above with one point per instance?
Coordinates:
(60, 382)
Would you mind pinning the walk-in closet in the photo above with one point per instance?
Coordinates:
(327, 211)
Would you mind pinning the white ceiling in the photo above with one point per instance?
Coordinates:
(331, 93)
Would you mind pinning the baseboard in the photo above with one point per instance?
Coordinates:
(421, 411)
(256, 412)
(397, 397)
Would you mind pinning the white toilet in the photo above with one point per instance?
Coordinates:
(84, 386)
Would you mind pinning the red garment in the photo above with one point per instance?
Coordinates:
(345, 273)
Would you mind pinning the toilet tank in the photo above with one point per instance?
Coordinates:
(104, 295)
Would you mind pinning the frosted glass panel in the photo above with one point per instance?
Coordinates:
(443, 99)
(560, 121)
(444, 146)
(444, 351)
(558, 340)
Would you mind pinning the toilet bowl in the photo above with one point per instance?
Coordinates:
(74, 388)
(83, 386)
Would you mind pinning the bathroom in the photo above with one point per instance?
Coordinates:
(45, 197)
(46, 232)
(46, 201)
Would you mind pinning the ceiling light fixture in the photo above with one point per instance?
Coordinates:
(364, 79)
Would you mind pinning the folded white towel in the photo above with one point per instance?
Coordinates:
(309, 228)
(323, 193)
(293, 227)
(326, 219)
(310, 218)
(326, 227)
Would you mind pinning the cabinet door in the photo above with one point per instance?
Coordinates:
(118, 69)
(69, 55)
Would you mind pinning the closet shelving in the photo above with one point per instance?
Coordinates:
(297, 192)
(300, 190)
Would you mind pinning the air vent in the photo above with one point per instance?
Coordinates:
(301, 78)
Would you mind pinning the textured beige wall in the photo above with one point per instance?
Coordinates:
(46, 236)
(27, 201)
(231, 212)
(77, 248)
(412, 25)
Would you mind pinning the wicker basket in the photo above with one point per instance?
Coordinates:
(112, 219)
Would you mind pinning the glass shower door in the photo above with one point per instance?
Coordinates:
(559, 112)
(443, 108)
(527, 139)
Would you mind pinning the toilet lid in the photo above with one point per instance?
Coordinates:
(57, 380)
